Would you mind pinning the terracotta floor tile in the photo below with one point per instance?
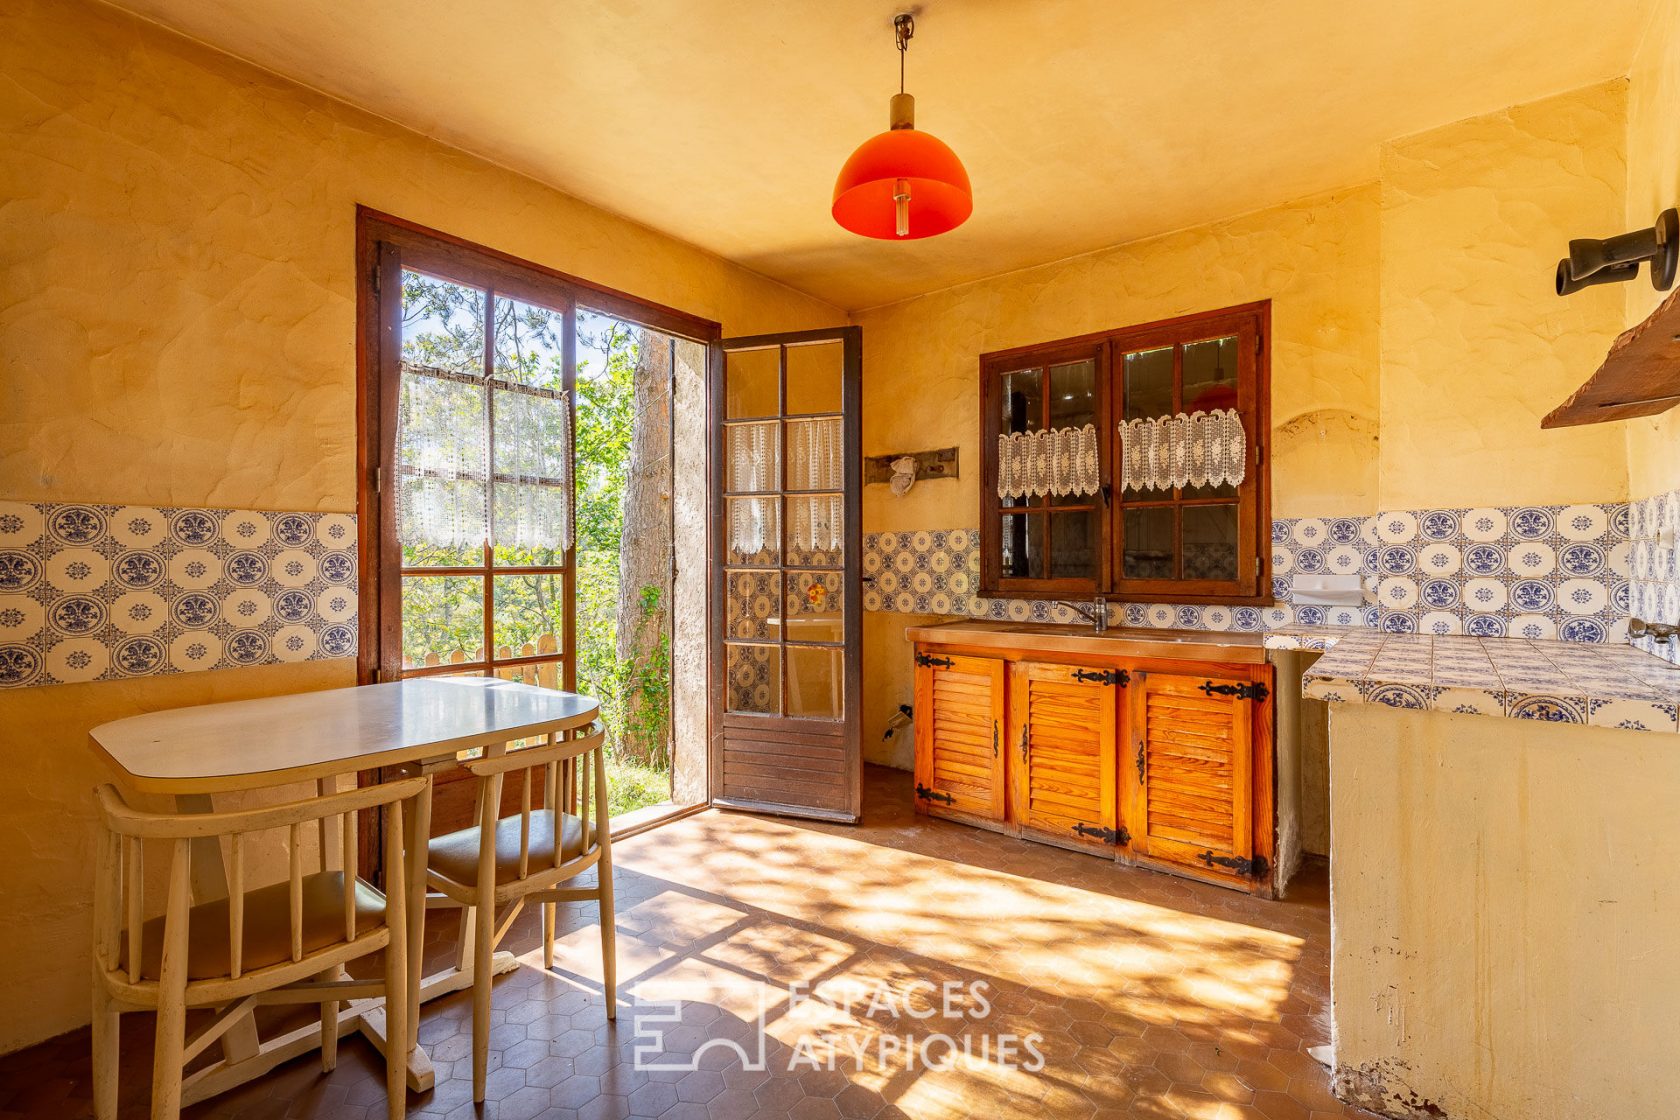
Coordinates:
(1146, 996)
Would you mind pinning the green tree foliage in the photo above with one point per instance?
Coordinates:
(444, 328)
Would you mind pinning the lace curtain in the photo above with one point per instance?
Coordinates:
(1059, 461)
(815, 462)
(1201, 449)
(445, 492)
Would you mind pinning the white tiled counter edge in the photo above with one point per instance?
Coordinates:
(1554, 681)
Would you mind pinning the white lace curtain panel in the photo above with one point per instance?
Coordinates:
(1201, 449)
(1058, 461)
(815, 462)
(446, 486)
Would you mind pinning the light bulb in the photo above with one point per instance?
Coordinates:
(901, 200)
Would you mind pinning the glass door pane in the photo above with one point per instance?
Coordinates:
(787, 575)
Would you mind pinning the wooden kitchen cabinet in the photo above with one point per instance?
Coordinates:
(1148, 760)
(1063, 722)
(1190, 778)
(960, 769)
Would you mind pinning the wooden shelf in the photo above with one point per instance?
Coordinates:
(1640, 376)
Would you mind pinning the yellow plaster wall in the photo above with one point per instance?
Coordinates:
(1503, 915)
(1653, 159)
(1476, 345)
(177, 324)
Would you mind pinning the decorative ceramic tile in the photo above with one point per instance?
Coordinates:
(1654, 593)
(1532, 572)
(1552, 681)
(99, 592)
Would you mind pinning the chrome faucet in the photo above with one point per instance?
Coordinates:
(1096, 614)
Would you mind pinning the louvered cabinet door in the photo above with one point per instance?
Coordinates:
(1063, 721)
(1190, 779)
(959, 736)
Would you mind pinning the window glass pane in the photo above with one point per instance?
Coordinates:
(1073, 545)
(1023, 546)
(754, 681)
(813, 377)
(443, 324)
(527, 345)
(1210, 374)
(1022, 400)
(528, 614)
(532, 491)
(753, 457)
(816, 682)
(754, 529)
(753, 605)
(752, 382)
(442, 619)
(815, 610)
(536, 556)
(1148, 383)
(1210, 542)
(815, 455)
(422, 555)
(1150, 549)
(1073, 395)
(816, 535)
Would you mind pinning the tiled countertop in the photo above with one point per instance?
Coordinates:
(1560, 682)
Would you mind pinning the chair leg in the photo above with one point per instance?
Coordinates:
(548, 935)
(329, 1025)
(107, 1043)
(397, 1013)
(484, 944)
(609, 945)
(171, 1041)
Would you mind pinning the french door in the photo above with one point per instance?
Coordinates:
(786, 616)
(485, 523)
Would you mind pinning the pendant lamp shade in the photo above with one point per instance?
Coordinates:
(867, 193)
(902, 184)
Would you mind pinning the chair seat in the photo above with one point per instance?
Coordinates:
(268, 927)
(455, 857)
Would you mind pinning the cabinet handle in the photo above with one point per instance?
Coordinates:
(994, 738)
(1023, 742)
(1140, 760)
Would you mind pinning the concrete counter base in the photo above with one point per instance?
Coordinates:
(1505, 917)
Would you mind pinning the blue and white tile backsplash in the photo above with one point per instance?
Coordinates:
(99, 592)
(1654, 524)
(1492, 571)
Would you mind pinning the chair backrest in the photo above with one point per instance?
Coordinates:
(574, 781)
(119, 895)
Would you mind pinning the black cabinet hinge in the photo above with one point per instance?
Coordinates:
(927, 794)
(1250, 867)
(925, 660)
(1106, 835)
(1240, 691)
(1106, 676)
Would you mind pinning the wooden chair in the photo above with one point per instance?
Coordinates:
(283, 943)
(525, 858)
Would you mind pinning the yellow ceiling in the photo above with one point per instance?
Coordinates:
(1083, 123)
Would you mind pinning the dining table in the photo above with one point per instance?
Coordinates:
(411, 726)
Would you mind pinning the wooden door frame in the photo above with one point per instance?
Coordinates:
(851, 409)
(383, 243)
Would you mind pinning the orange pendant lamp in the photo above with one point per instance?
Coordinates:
(902, 184)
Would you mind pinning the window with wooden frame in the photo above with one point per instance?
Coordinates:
(1192, 526)
(470, 363)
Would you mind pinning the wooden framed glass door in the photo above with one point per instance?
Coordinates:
(504, 409)
(786, 607)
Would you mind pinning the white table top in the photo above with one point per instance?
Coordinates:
(305, 735)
